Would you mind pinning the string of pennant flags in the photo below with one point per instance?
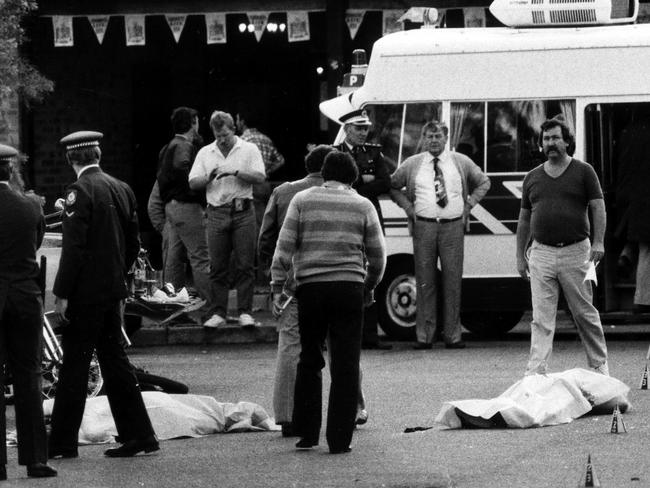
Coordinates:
(297, 25)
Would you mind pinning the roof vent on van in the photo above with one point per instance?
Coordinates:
(523, 13)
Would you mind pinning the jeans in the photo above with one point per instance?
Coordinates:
(642, 293)
(188, 222)
(174, 256)
(231, 231)
(551, 268)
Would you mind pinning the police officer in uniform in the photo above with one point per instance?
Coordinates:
(21, 321)
(100, 243)
(374, 180)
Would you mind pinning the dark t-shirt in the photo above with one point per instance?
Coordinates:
(176, 160)
(559, 205)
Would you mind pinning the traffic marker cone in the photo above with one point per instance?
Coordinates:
(644, 378)
(589, 479)
(618, 426)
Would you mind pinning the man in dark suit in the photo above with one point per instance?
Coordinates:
(21, 321)
(100, 243)
(374, 180)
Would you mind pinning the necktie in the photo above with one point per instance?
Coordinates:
(439, 184)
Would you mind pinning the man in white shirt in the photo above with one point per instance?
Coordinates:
(227, 170)
(437, 188)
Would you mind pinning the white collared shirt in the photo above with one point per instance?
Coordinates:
(244, 156)
(425, 195)
(85, 168)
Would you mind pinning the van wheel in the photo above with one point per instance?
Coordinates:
(490, 323)
(396, 300)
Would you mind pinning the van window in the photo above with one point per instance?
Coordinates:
(387, 124)
(466, 134)
(513, 132)
(386, 128)
(417, 114)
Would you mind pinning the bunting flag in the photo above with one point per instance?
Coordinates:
(298, 26)
(353, 19)
(259, 21)
(134, 28)
(390, 21)
(99, 23)
(215, 24)
(474, 16)
(176, 23)
(63, 36)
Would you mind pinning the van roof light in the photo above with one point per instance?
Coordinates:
(359, 57)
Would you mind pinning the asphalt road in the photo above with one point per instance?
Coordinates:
(404, 388)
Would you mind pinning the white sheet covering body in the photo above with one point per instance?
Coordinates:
(541, 400)
(174, 416)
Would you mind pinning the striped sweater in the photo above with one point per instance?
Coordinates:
(330, 233)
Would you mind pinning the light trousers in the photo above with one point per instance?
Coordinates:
(551, 269)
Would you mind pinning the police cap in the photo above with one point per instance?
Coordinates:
(82, 138)
(7, 153)
(356, 117)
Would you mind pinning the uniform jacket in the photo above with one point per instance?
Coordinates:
(22, 226)
(100, 239)
(371, 161)
(475, 182)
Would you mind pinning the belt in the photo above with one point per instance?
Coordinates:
(438, 221)
(245, 204)
(562, 244)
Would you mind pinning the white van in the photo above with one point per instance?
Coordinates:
(494, 87)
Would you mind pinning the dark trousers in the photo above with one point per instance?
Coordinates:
(369, 334)
(334, 308)
(21, 335)
(96, 327)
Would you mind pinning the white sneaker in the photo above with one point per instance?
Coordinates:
(215, 321)
(245, 320)
(603, 369)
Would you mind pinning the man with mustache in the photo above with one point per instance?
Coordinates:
(554, 203)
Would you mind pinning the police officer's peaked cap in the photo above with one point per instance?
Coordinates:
(82, 138)
(7, 153)
(356, 117)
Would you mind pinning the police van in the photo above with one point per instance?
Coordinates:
(493, 87)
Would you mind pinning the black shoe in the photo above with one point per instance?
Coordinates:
(131, 448)
(420, 346)
(63, 453)
(39, 470)
(362, 417)
(455, 345)
(376, 345)
(340, 450)
(305, 444)
(3, 472)
(288, 430)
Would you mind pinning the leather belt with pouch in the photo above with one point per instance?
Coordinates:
(236, 205)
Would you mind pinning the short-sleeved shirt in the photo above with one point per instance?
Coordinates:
(243, 156)
(559, 205)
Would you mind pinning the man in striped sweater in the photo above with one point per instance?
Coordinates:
(332, 239)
